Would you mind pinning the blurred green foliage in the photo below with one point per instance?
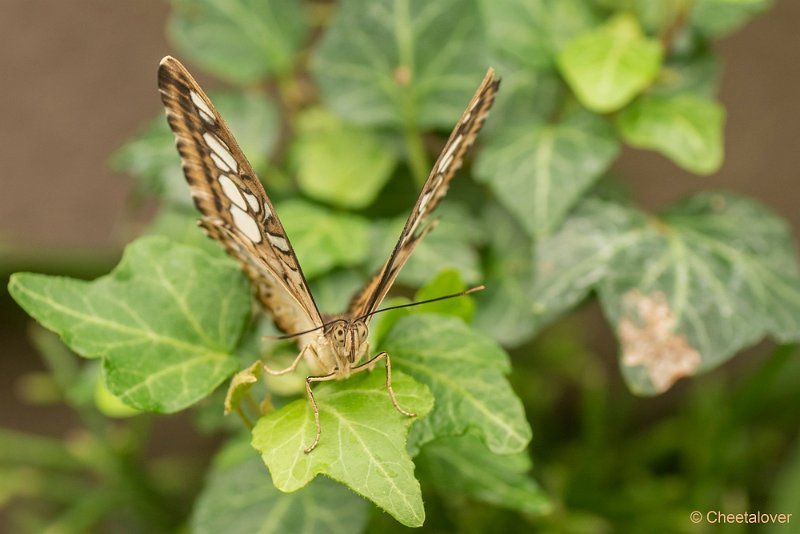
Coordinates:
(341, 107)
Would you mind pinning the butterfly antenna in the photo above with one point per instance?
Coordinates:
(444, 297)
(290, 336)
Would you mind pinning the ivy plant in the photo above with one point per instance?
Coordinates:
(341, 109)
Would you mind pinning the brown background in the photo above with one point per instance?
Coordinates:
(78, 78)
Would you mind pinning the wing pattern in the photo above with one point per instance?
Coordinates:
(236, 210)
(449, 161)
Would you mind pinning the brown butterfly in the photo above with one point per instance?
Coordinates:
(237, 213)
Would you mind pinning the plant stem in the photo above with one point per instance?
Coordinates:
(417, 158)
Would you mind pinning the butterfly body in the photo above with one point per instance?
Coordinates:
(340, 346)
(237, 213)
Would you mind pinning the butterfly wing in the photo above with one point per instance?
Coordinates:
(448, 162)
(236, 210)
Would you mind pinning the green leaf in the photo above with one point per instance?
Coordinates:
(165, 321)
(686, 128)
(445, 283)
(531, 32)
(505, 310)
(718, 17)
(324, 239)
(239, 497)
(240, 385)
(151, 156)
(608, 66)
(363, 441)
(401, 62)
(538, 171)
(719, 276)
(333, 291)
(181, 225)
(685, 292)
(698, 74)
(109, 404)
(464, 467)
(239, 40)
(338, 163)
(569, 263)
(464, 370)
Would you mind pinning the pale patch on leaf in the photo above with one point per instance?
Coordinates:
(646, 333)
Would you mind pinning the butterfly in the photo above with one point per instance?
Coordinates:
(237, 212)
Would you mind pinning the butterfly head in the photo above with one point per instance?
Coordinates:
(348, 338)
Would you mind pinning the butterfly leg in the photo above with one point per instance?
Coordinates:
(367, 366)
(289, 369)
(309, 380)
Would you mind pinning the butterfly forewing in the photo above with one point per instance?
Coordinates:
(236, 210)
(448, 162)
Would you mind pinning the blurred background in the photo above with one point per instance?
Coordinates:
(79, 78)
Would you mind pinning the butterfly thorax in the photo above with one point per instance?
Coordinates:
(340, 345)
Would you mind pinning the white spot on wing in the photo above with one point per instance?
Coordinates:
(221, 150)
(447, 157)
(220, 164)
(424, 201)
(278, 242)
(201, 104)
(246, 224)
(231, 191)
(253, 201)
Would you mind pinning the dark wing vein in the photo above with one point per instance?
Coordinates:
(236, 210)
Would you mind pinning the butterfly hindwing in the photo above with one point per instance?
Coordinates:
(448, 162)
(236, 210)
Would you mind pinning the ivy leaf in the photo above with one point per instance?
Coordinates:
(463, 466)
(538, 171)
(608, 66)
(686, 128)
(340, 164)
(712, 275)
(698, 74)
(239, 40)
(151, 156)
(324, 239)
(464, 370)
(504, 309)
(532, 32)
(401, 62)
(363, 442)
(445, 283)
(239, 497)
(719, 276)
(715, 18)
(333, 291)
(181, 226)
(569, 263)
(165, 321)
